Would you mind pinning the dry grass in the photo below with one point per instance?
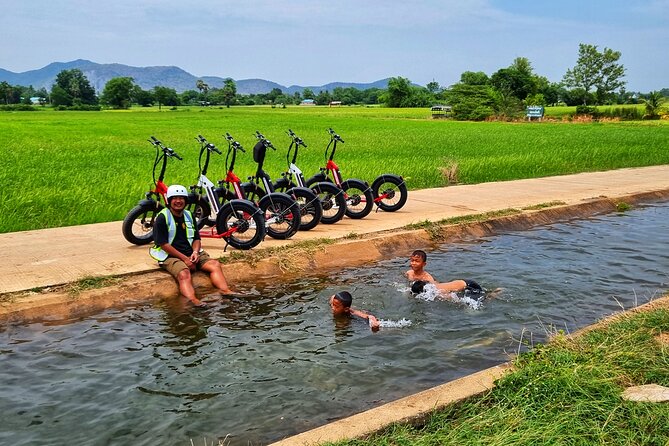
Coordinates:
(449, 172)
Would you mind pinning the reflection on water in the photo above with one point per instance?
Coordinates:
(276, 362)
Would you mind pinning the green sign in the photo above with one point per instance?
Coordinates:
(535, 111)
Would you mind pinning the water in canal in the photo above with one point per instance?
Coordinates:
(275, 364)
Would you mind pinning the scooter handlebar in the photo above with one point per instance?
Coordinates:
(334, 135)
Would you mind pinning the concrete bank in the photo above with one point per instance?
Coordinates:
(47, 260)
(296, 260)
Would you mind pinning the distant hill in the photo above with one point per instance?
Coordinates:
(149, 77)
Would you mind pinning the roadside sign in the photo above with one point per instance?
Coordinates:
(534, 111)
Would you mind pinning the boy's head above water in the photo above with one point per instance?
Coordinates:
(418, 260)
(341, 302)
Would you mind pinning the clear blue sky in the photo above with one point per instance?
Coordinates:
(313, 42)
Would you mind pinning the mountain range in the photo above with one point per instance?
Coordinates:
(149, 77)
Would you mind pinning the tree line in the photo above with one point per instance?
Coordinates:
(596, 79)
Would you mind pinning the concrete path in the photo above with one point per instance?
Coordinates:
(55, 256)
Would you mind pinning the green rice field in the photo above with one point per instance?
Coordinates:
(70, 168)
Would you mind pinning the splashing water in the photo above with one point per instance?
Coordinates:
(474, 304)
(431, 293)
(388, 323)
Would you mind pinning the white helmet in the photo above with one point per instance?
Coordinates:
(176, 190)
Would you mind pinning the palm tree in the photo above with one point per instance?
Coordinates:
(653, 102)
(202, 86)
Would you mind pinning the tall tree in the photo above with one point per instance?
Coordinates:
(474, 78)
(593, 69)
(202, 86)
(76, 86)
(433, 87)
(165, 96)
(398, 93)
(142, 97)
(118, 92)
(6, 91)
(229, 91)
(517, 80)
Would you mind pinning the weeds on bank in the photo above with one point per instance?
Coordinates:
(434, 229)
(549, 204)
(565, 392)
(623, 207)
(90, 283)
(289, 257)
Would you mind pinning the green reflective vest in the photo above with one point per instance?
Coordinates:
(156, 251)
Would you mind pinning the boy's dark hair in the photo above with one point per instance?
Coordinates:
(344, 297)
(418, 286)
(420, 253)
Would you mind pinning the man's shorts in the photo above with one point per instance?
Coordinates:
(174, 265)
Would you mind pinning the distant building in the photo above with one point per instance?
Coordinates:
(441, 111)
(334, 103)
(307, 102)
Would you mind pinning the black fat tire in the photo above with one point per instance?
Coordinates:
(311, 210)
(253, 192)
(332, 201)
(283, 184)
(201, 213)
(359, 198)
(245, 216)
(282, 215)
(318, 178)
(395, 187)
(138, 224)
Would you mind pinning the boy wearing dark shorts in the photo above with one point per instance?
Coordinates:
(419, 277)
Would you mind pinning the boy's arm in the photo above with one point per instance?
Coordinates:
(373, 321)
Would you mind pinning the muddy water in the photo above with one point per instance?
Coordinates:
(276, 363)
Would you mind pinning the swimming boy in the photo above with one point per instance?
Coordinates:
(341, 306)
(419, 277)
(418, 260)
(455, 286)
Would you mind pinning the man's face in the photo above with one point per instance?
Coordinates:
(338, 308)
(178, 203)
(417, 263)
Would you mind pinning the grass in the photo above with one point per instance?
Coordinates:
(74, 289)
(565, 392)
(623, 207)
(70, 168)
(435, 229)
(288, 258)
(549, 204)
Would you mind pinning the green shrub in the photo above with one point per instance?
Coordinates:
(587, 110)
(17, 107)
(624, 113)
(79, 107)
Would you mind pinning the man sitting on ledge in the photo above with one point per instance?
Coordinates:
(177, 246)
